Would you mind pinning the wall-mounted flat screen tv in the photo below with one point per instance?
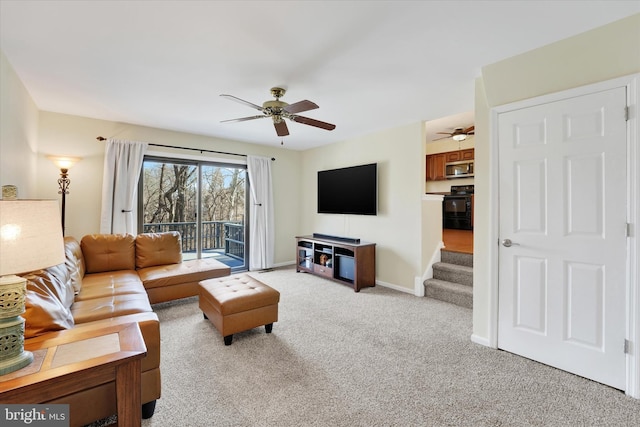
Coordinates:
(351, 190)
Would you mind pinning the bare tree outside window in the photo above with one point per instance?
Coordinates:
(169, 192)
(175, 194)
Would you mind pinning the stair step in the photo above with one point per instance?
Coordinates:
(453, 273)
(453, 293)
(458, 258)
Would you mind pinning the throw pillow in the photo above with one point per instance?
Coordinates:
(158, 249)
(108, 252)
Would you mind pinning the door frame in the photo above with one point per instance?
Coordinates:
(632, 85)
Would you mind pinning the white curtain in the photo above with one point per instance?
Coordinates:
(122, 165)
(261, 227)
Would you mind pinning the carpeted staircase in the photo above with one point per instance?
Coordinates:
(452, 279)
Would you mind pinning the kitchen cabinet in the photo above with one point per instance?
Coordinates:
(435, 167)
(460, 155)
(435, 163)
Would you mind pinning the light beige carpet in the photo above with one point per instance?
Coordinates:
(374, 358)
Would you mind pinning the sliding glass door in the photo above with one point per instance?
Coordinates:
(205, 202)
(223, 211)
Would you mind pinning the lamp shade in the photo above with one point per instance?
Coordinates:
(30, 236)
(64, 162)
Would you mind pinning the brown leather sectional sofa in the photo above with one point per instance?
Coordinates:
(108, 280)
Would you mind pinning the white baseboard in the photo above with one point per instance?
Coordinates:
(378, 282)
(480, 340)
(284, 264)
(394, 287)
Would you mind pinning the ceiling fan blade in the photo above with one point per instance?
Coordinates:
(313, 122)
(470, 129)
(444, 133)
(299, 107)
(438, 139)
(281, 128)
(243, 119)
(242, 101)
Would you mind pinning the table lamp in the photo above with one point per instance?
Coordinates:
(30, 239)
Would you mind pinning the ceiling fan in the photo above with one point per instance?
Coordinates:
(458, 134)
(280, 110)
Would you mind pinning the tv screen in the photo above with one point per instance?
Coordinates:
(352, 190)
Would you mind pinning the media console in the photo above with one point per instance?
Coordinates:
(342, 259)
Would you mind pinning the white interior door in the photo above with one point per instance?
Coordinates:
(563, 205)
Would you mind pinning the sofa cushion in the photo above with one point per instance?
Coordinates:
(74, 261)
(110, 283)
(108, 252)
(189, 271)
(57, 280)
(43, 310)
(108, 307)
(158, 249)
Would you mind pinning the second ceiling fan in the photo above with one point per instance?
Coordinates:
(280, 110)
(458, 134)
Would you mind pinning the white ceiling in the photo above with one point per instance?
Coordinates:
(369, 65)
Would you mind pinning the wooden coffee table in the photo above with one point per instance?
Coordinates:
(70, 361)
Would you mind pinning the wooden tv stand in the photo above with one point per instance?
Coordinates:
(338, 259)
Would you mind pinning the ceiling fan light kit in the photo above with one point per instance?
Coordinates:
(458, 134)
(280, 110)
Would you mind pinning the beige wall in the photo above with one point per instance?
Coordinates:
(18, 133)
(483, 218)
(396, 228)
(603, 53)
(431, 237)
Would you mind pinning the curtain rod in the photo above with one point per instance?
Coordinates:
(201, 150)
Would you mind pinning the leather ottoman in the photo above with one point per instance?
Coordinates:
(238, 303)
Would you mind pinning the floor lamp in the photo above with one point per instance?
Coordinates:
(64, 163)
(30, 239)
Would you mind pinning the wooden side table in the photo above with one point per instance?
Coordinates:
(70, 361)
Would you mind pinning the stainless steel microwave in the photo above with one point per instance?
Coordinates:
(463, 169)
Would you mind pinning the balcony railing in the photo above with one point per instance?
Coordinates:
(227, 235)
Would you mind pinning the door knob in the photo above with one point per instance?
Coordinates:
(507, 243)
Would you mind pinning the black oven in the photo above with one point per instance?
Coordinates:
(457, 208)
